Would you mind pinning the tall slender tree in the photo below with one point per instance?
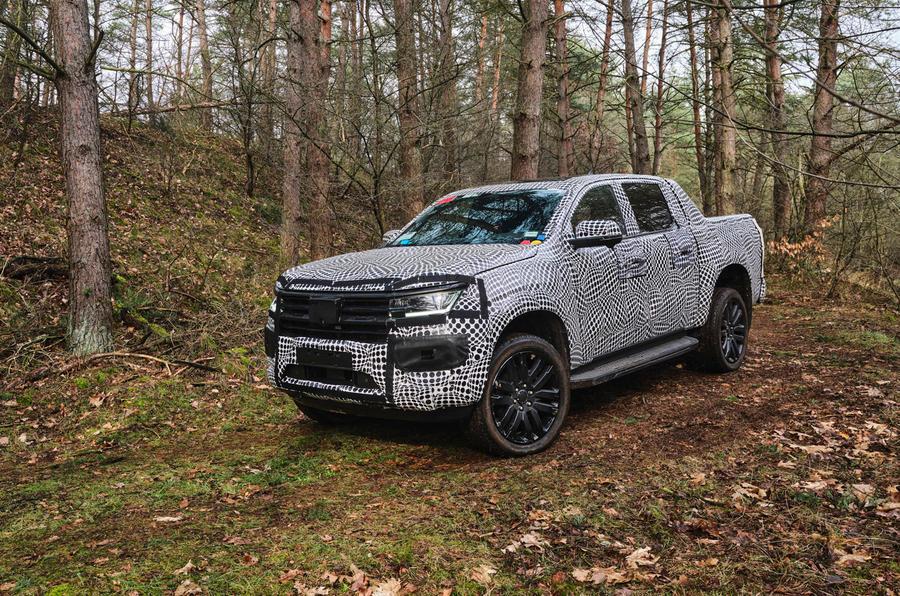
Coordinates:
(781, 200)
(566, 157)
(722, 51)
(820, 154)
(699, 149)
(640, 158)
(411, 190)
(90, 299)
(527, 116)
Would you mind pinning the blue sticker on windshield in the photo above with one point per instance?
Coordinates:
(404, 242)
(542, 237)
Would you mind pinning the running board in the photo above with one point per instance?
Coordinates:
(631, 361)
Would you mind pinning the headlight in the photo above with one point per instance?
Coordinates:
(270, 321)
(423, 305)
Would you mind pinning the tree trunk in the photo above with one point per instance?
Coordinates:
(695, 106)
(641, 158)
(90, 306)
(134, 98)
(657, 129)
(726, 141)
(205, 64)
(148, 68)
(179, 54)
(597, 137)
(566, 157)
(408, 111)
(495, 102)
(267, 126)
(479, 67)
(306, 159)
(448, 96)
(527, 117)
(820, 155)
(12, 48)
(645, 63)
(781, 198)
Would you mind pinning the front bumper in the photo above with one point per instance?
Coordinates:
(437, 365)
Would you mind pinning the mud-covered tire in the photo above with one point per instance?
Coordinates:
(519, 385)
(724, 337)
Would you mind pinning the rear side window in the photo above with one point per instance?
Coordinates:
(598, 203)
(649, 205)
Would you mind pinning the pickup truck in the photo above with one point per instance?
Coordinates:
(496, 302)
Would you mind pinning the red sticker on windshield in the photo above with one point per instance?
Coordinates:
(446, 200)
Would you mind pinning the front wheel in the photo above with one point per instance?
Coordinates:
(526, 398)
(723, 339)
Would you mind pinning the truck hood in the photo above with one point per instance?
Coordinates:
(385, 266)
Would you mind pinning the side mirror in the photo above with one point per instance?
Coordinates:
(390, 236)
(599, 232)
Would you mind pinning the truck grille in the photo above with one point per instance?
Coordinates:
(332, 316)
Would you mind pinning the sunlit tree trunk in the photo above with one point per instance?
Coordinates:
(148, 57)
(527, 116)
(645, 63)
(11, 50)
(90, 300)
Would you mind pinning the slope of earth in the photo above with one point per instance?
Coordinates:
(781, 477)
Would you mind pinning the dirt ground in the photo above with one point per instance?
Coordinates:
(783, 477)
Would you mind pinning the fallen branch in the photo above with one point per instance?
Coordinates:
(76, 364)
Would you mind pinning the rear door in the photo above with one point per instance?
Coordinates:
(654, 235)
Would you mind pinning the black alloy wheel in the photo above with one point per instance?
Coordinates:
(733, 331)
(526, 398)
(725, 335)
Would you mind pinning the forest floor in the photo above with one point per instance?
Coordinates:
(132, 475)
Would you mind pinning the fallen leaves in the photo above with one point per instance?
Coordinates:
(168, 519)
(483, 574)
(641, 557)
(188, 588)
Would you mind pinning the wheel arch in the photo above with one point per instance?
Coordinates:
(737, 277)
(543, 323)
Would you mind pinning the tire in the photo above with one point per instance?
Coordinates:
(525, 401)
(724, 337)
(325, 417)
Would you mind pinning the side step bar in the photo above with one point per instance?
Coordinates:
(631, 360)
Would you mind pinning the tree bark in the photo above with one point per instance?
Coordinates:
(90, 300)
(726, 141)
(408, 110)
(148, 68)
(597, 137)
(527, 117)
(206, 120)
(781, 199)
(566, 157)
(645, 63)
(448, 96)
(479, 67)
(695, 105)
(641, 157)
(306, 159)
(661, 71)
(820, 152)
(11, 50)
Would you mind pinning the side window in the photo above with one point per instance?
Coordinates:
(598, 203)
(649, 205)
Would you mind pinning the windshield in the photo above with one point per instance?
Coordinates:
(507, 217)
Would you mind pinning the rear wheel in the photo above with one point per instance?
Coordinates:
(723, 339)
(526, 398)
